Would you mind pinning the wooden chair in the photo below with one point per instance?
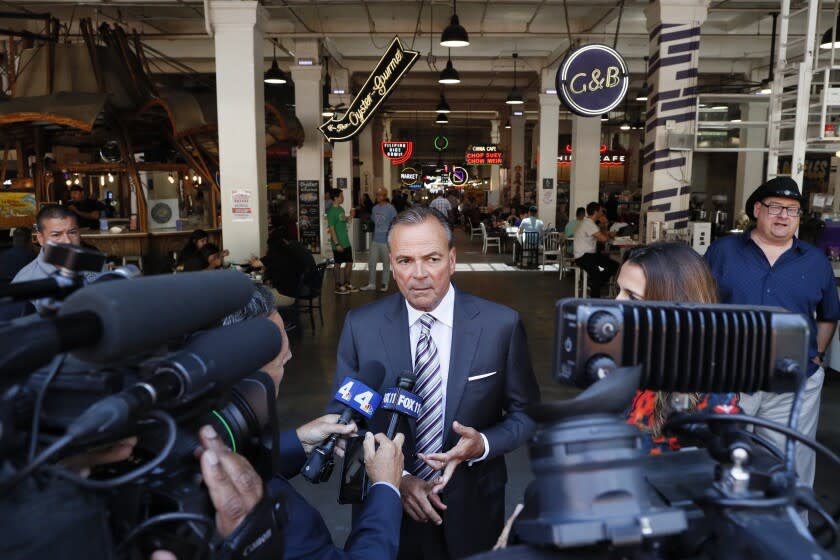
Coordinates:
(494, 241)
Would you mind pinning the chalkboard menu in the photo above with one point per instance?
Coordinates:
(309, 216)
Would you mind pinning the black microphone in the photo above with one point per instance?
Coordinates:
(212, 360)
(114, 320)
(401, 402)
(357, 396)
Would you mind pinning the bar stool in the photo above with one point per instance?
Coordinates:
(581, 281)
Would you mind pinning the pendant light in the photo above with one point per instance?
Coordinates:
(829, 42)
(274, 75)
(449, 75)
(454, 35)
(514, 97)
(442, 119)
(645, 90)
(766, 85)
(507, 124)
(443, 106)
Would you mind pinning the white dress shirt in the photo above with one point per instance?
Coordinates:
(441, 332)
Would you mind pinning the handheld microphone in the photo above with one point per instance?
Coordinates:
(204, 364)
(358, 397)
(110, 321)
(402, 403)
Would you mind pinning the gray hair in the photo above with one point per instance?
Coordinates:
(416, 215)
(261, 304)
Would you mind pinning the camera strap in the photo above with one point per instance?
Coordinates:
(260, 535)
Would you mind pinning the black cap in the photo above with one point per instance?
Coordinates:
(783, 187)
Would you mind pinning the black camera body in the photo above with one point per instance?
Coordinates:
(597, 493)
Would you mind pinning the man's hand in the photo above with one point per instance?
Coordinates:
(420, 500)
(386, 463)
(234, 486)
(339, 248)
(470, 446)
(315, 432)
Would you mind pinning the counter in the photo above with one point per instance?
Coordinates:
(156, 247)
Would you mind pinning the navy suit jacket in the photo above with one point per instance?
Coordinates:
(489, 346)
(375, 531)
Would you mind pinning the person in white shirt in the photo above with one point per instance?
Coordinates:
(599, 267)
(442, 205)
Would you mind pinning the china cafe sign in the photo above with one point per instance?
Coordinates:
(606, 158)
(388, 72)
(488, 154)
(592, 80)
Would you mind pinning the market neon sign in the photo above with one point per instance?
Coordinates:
(388, 72)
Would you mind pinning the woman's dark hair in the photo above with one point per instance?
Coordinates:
(674, 272)
(197, 235)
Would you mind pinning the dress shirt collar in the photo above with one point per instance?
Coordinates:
(444, 312)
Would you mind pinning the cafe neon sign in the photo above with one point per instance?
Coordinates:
(388, 72)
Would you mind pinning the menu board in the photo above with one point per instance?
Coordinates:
(484, 155)
(309, 215)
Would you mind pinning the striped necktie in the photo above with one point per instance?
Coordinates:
(429, 388)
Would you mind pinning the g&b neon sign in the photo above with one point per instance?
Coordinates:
(592, 80)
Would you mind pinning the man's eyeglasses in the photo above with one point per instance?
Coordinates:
(776, 210)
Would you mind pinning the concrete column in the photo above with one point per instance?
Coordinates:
(495, 170)
(517, 161)
(674, 30)
(342, 161)
(751, 169)
(308, 105)
(586, 161)
(387, 167)
(547, 165)
(241, 114)
(366, 151)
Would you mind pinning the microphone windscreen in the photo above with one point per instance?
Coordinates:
(143, 313)
(225, 355)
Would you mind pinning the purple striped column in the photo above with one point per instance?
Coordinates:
(674, 31)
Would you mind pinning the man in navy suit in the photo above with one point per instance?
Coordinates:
(474, 374)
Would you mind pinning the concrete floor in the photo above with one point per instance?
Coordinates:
(305, 388)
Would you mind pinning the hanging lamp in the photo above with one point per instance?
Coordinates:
(274, 75)
(454, 35)
(515, 96)
(443, 106)
(449, 75)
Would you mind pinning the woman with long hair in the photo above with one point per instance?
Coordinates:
(668, 272)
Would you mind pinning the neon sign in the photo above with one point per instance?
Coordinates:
(397, 152)
(484, 155)
(592, 80)
(441, 143)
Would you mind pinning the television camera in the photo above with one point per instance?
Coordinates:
(144, 358)
(727, 494)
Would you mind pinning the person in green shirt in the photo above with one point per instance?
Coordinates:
(342, 252)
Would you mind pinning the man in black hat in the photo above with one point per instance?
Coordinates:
(769, 265)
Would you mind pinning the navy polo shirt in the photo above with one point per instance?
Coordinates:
(800, 281)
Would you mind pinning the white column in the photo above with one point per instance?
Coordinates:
(517, 160)
(586, 161)
(308, 105)
(750, 171)
(387, 166)
(495, 175)
(241, 115)
(366, 173)
(674, 31)
(342, 162)
(547, 166)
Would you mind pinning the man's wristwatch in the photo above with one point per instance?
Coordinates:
(821, 356)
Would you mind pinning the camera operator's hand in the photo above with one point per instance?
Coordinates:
(111, 453)
(420, 501)
(385, 463)
(234, 485)
(315, 432)
(470, 446)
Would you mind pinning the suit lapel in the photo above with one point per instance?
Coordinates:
(466, 332)
(395, 339)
